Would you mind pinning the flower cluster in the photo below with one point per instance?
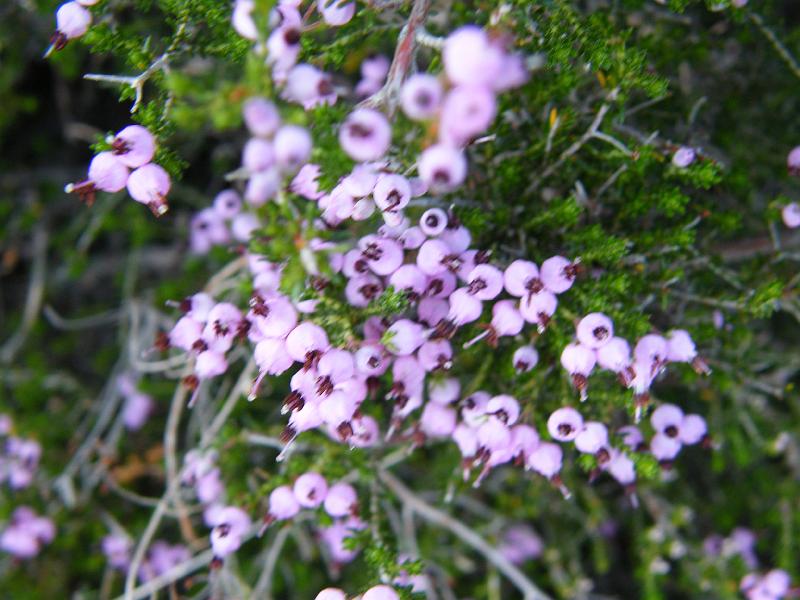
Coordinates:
(161, 557)
(19, 457)
(378, 592)
(127, 164)
(773, 585)
(282, 45)
(596, 345)
(26, 533)
(741, 542)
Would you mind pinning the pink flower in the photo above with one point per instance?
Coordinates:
(683, 157)
(229, 528)
(793, 161)
(341, 500)
(150, 185)
(791, 213)
(595, 330)
(261, 116)
(292, 147)
(558, 274)
(421, 96)
(134, 146)
(310, 489)
(336, 12)
(365, 135)
(525, 358)
(442, 167)
(283, 504)
(565, 424)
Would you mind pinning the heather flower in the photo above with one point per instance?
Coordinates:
(229, 527)
(435, 355)
(331, 594)
(227, 204)
(305, 182)
(421, 96)
(106, 173)
(283, 504)
(336, 12)
(466, 113)
(292, 147)
(595, 330)
(681, 348)
(503, 407)
(485, 282)
(668, 420)
(457, 237)
(621, 468)
(444, 391)
(438, 420)
(308, 86)
(117, 549)
(521, 279)
(520, 544)
(242, 19)
(545, 459)
(365, 134)
(392, 192)
(558, 274)
(261, 116)
(432, 311)
(442, 167)
(683, 157)
(380, 592)
(538, 309)
(651, 350)
(404, 337)
(136, 410)
(134, 146)
(470, 58)
(410, 279)
(72, 21)
(362, 289)
(306, 342)
(524, 440)
(464, 307)
(615, 356)
(793, 161)
(592, 438)
(565, 424)
(258, 155)
(473, 408)
(525, 358)
(209, 487)
(433, 222)
(791, 213)
(441, 285)
(150, 185)
(341, 500)
(243, 225)
(631, 436)
(310, 489)
(210, 364)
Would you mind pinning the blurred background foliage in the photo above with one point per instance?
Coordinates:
(661, 247)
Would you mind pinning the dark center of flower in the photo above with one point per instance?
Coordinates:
(373, 362)
(476, 285)
(441, 176)
(424, 99)
(372, 252)
(359, 130)
(671, 431)
(120, 146)
(600, 333)
(324, 87)
(432, 221)
(291, 36)
(565, 429)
